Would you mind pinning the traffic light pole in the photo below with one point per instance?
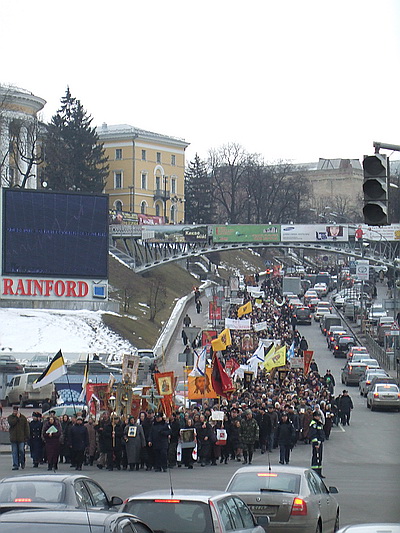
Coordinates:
(385, 146)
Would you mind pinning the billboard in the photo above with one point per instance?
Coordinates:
(381, 233)
(247, 233)
(174, 233)
(314, 233)
(48, 234)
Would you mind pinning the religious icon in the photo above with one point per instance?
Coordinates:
(132, 431)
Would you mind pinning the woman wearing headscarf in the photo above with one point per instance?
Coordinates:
(135, 442)
(51, 434)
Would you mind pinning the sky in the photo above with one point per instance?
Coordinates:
(289, 80)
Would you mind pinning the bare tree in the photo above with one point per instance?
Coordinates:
(156, 298)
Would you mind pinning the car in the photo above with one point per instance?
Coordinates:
(20, 390)
(376, 312)
(342, 345)
(71, 521)
(365, 358)
(294, 498)
(303, 315)
(321, 289)
(356, 350)
(366, 378)
(39, 361)
(352, 371)
(334, 333)
(69, 410)
(384, 395)
(55, 491)
(194, 511)
(313, 303)
(147, 353)
(310, 293)
(371, 528)
(321, 310)
(327, 321)
(380, 380)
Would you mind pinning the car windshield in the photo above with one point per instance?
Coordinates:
(172, 515)
(265, 481)
(25, 491)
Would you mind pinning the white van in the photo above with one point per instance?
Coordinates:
(20, 391)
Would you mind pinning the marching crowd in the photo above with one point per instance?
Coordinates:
(275, 410)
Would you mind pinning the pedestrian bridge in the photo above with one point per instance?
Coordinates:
(141, 255)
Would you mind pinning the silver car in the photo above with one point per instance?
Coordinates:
(365, 380)
(295, 499)
(384, 395)
(371, 528)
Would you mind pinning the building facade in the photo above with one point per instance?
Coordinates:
(19, 137)
(147, 172)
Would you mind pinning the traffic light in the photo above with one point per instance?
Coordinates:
(376, 190)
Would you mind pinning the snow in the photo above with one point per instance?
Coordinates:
(32, 330)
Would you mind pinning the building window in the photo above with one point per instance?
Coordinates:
(173, 186)
(143, 208)
(118, 205)
(117, 180)
(158, 210)
(158, 157)
(173, 214)
(158, 183)
(173, 160)
(144, 180)
(143, 155)
(118, 153)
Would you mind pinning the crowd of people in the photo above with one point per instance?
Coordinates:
(276, 410)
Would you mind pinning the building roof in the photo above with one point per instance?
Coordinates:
(125, 131)
(332, 164)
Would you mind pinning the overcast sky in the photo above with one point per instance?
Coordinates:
(293, 80)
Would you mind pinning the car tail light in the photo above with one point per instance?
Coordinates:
(368, 382)
(299, 507)
(22, 500)
(169, 500)
(376, 394)
(336, 347)
(350, 368)
(266, 474)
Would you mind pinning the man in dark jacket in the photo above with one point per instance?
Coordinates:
(79, 442)
(158, 442)
(317, 437)
(329, 381)
(19, 435)
(345, 405)
(273, 415)
(286, 435)
(249, 434)
(303, 346)
(265, 424)
(35, 439)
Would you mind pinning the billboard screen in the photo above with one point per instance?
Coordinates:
(247, 233)
(315, 233)
(54, 234)
(174, 233)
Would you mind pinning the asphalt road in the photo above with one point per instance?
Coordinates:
(362, 461)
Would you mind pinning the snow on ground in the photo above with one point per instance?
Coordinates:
(33, 330)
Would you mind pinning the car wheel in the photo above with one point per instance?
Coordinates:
(336, 526)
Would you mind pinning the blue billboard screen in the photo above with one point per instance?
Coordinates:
(55, 234)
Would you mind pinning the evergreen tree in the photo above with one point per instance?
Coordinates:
(74, 158)
(198, 193)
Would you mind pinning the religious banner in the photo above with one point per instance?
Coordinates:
(130, 367)
(214, 311)
(307, 355)
(248, 378)
(100, 390)
(165, 386)
(296, 362)
(234, 323)
(247, 344)
(200, 387)
(207, 335)
(136, 405)
(231, 366)
(260, 326)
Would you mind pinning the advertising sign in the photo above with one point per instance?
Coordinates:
(362, 270)
(150, 220)
(381, 233)
(247, 233)
(314, 233)
(174, 233)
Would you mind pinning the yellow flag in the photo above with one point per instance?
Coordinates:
(277, 359)
(245, 309)
(268, 356)
(222, 341)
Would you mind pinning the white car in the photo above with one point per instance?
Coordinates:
(321, 289)
(320, 311)
(376, 313)
(384, 395)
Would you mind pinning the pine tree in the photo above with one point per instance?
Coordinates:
(198, 193)
(74, 158)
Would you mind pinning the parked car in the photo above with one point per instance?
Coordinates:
(384, 395)
(351, 372)
(366, 378)
(194, 511)
(69, 410)
(303, 315)
(295, 499)
(55, 491)
(71, 521)
(343, 345)
(365, 358)
(20, 390)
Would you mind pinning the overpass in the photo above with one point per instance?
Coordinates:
(128, 246)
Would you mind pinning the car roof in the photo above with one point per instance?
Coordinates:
(59, 478)
(57, 516)
(181, 494)
(298, 470)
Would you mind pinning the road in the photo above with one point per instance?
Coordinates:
(362, 461)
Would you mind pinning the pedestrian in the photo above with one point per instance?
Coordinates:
(345, 405)
(19, 435)
(286, 435)
(51, 435)
(158, 442)
(101, 461)
(293, 322)
(317, 437)
(65, 454)
(92, 446)
(265, 425)
(188, 447)
(175, 425)
(113, 433)
(35, 439)
(147, 421)
(46, 405)
(79, 442)
(186, 321)
(198, 306)
(273, 415)
(204, 433)
(303, 346)
(134, 442)
(249, 434)
(329, 381)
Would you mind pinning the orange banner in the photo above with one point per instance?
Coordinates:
(200, 387)
(307, 356)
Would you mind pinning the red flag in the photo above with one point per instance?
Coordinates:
(221, 382)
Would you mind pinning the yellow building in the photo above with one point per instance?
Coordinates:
(146, 171)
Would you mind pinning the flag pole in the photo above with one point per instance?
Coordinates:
(70, 391)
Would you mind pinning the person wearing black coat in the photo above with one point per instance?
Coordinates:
(345, 405)
(158, 442)
(286, 435)
(175, 426)
(303, 346)
(112, 435)
(205, 440)
(317, 437)
(79, 442)
(35, 439)
(265, 424)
